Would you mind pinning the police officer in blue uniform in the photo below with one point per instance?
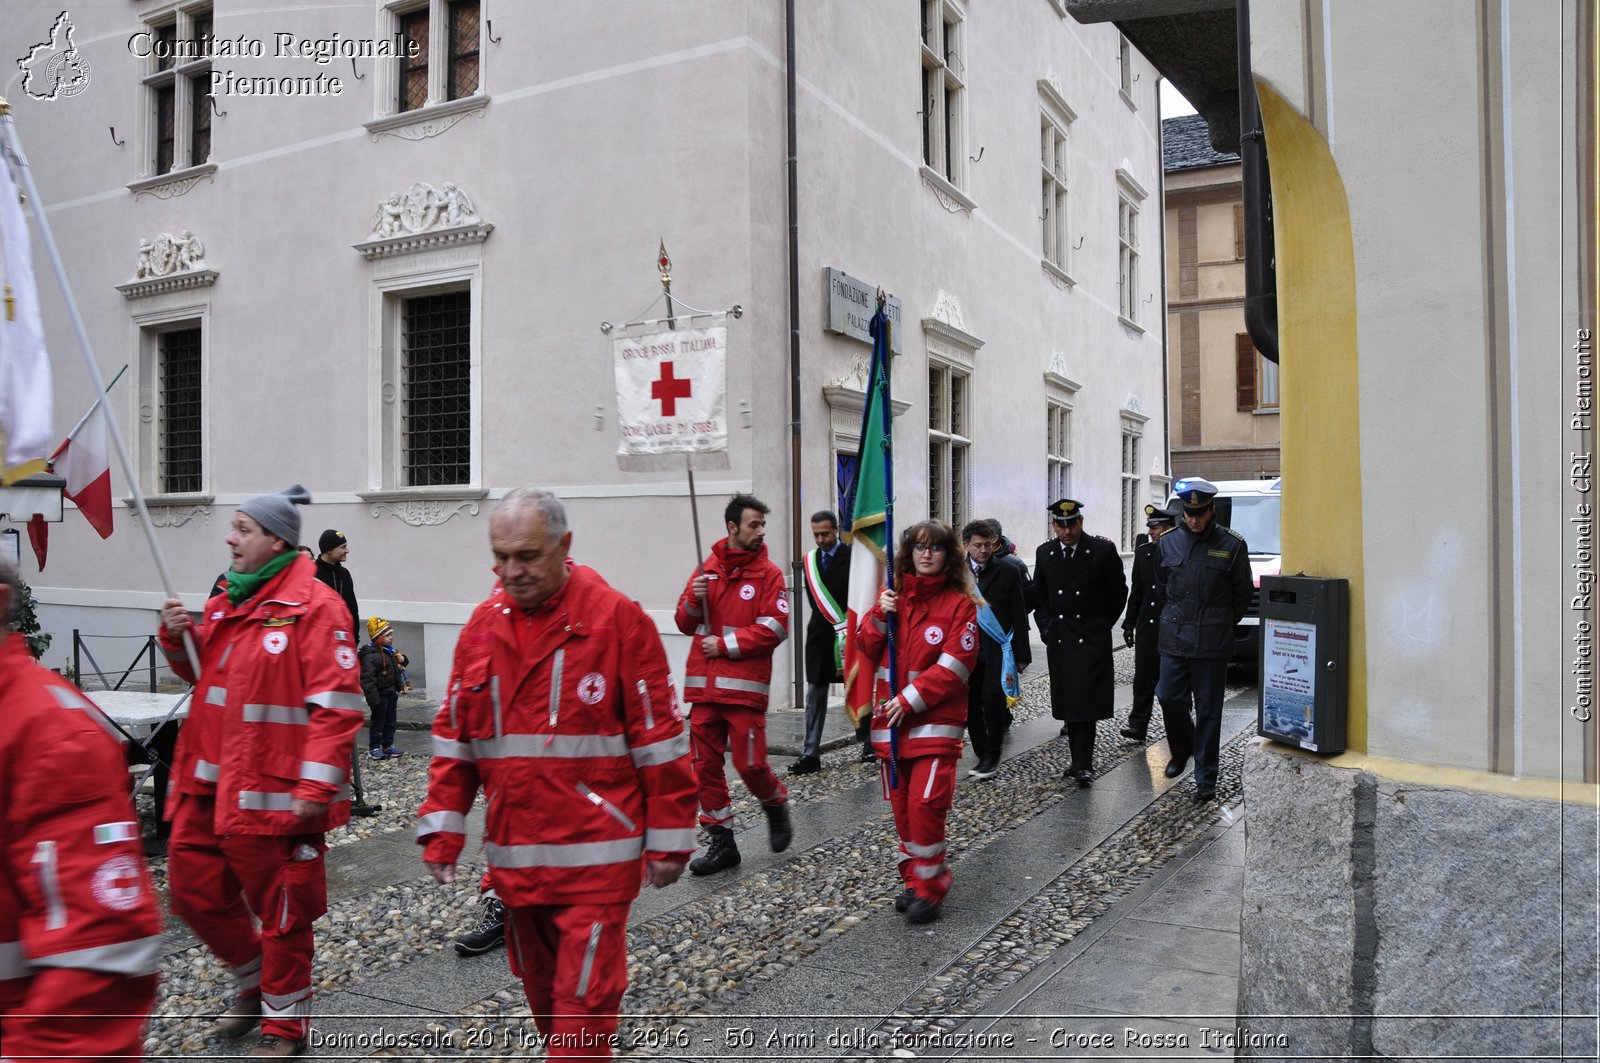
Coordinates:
(1205, 576)
(1141, 624)
(1078, 593)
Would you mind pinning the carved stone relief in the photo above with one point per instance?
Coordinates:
(946, 309)
(168, 254)
(175, 516)
(423, 207)
(425, 512)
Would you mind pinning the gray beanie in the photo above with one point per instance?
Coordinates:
(276, 513)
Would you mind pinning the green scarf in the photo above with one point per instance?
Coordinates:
(242, 585)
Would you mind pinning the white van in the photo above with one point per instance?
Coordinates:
(1253, 508)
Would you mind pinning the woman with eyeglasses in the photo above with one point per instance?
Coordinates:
(936, 645)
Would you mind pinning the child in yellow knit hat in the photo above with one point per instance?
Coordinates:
(380, 681)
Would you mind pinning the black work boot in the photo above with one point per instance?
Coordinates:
(720, 855)
(488, 933)
(779, 830)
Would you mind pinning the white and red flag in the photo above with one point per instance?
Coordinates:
(25, 396)
(672, 394)
(84, 461)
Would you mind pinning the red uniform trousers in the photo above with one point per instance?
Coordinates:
(30, 1021)
(921, 804)
(714, 729)
(573, 962)
(284, 884)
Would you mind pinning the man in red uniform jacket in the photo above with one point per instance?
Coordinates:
(561, 707)
(738, 612)
(80, 933)
(262, 767)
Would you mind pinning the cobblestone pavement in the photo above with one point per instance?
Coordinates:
(692, 962)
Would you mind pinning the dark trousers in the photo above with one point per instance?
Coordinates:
(1080, 743)
(380, 733)
(816, 717)
(1146, 671)
(986, 711)
(1196, 681)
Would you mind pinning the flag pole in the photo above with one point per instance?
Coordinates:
(90, 412)
(8, 137)
(880, 350)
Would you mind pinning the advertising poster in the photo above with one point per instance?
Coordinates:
(1288, 681)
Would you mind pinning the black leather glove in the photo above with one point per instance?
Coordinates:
(1127, 636)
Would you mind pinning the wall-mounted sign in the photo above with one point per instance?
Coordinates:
(851, 304)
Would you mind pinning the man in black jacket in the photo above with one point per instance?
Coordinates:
(827, 570)
(333, 548)
(1003, 591)
(1078, 592)
(1141, 625)
(1204, 575)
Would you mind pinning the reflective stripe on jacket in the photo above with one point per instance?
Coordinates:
(936, 644)
(747, 608)
(568, 719)
(277, 706)
(75, 891)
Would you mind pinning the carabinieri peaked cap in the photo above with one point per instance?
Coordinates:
(1065, 510)
(1155, 516)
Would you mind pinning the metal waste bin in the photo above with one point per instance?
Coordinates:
(1305, 640)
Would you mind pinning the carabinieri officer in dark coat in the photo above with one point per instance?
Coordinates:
(1078, 592)
(1141, 624)
(1205, 573)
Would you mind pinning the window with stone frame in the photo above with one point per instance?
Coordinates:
(169, 433)
(949, 445)
(441, 60)
(1127, 256)
(1058, 450)
(433, 378)
(176, 89)
(944, 87)
(1132, 502)
(1057, 243)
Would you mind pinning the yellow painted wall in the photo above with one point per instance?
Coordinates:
(1319, 372)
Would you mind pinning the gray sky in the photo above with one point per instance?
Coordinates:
(1172, 102)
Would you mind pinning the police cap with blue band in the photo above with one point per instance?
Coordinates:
(1195, 493)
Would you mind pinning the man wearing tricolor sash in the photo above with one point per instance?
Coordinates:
(827, 570)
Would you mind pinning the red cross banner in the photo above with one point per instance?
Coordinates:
(672, 392)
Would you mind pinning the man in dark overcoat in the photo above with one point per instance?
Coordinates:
(827, 574)
(1079, 590)
(1141, 625)
(1002, 589)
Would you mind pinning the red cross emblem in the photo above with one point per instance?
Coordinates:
(669, 389)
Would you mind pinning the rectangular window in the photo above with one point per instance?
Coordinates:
(1128, 257)
(1255, 378)
(177, 91)
(1125, 68)
(178, 439)
(1058, 451)
(944, 89)
(949, 446)
(1268, 398)
(440, 61)
(435, 389)
(1053, 181)
(1132, 510)
(463, 73)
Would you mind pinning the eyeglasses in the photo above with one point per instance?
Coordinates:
(927, 548)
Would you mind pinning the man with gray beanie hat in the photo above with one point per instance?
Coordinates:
(262, 767)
